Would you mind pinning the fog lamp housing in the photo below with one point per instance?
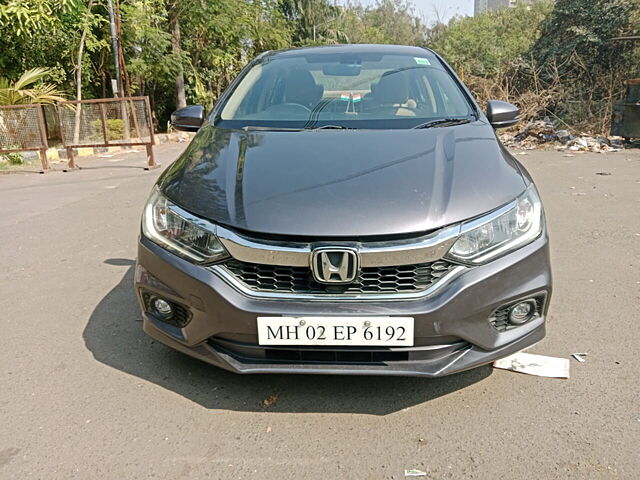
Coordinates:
(518, 312)
(522, 312)
(162, 307)
(165, 310)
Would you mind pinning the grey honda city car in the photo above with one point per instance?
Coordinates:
(345, 210)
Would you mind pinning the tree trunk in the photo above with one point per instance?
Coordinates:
(125, 88)
(83, 38)
(181, 97)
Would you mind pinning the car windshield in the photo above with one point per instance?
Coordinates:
(339, 90)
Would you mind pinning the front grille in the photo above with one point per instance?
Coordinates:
(334, 356)
(370, 280)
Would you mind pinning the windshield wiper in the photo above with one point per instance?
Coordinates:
(254, 128)
(443, 122)
(330, 127)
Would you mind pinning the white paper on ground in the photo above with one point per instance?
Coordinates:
(414, 473)
(580, 357)
(538, 365)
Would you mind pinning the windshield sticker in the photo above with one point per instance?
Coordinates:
(422, 61)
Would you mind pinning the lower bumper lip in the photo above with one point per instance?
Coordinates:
(463, 359)
(457, 312)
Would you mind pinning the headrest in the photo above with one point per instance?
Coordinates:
(393, 88)
(301, 88)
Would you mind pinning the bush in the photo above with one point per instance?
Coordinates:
(12, 158)
(553, 59)
(587, 64)
(115, 129)
(490, 52)
(487, 44)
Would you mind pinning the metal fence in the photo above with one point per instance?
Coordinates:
(22, 129)
(52, 124)
(106, 122)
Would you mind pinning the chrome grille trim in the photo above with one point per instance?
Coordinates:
(231, 279)
(373, 280)
(426, 248)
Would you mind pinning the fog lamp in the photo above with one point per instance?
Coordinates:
(162, 307)
(521, 313)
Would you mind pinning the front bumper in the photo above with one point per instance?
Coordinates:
(452, 331)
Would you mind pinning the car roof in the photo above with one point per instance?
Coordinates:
(352, 48)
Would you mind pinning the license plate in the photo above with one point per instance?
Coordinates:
(352, 331)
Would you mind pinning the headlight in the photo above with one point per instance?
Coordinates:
(182, 233)
(500, 232)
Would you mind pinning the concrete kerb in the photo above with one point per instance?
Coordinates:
(159, 138)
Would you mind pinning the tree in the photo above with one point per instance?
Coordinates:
(312, 19)
(585, 28)
(27, 18)
(83, 38)
(397, 21)
(487, 44)
(576, 39)
(176, 48)
(224, 35)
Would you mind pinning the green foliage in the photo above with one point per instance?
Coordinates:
(29, 89)
(13, 158)
(223, 36)
(27, 18)
(319, 22)
(313, 20)
(554, 58)
(486, 44)
(218, 38)
(115, 129)
(148, 43)
(585, 27)
(576, 49)
(397, 21)
(45, 33)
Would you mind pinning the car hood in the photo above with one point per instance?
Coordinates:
(343, 183)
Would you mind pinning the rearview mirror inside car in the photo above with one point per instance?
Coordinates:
(341, 70)
(188, 119)
(502, 114)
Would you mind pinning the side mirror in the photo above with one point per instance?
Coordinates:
(502, 114)
(188, 119)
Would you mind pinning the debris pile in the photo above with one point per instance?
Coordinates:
(543, 133)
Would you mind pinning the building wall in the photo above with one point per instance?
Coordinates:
(480, 6)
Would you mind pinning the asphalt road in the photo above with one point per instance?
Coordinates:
(85, 394)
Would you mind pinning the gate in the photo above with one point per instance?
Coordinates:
(107, 122)
(22, 129)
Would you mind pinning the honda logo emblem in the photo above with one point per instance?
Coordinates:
(334, 265)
